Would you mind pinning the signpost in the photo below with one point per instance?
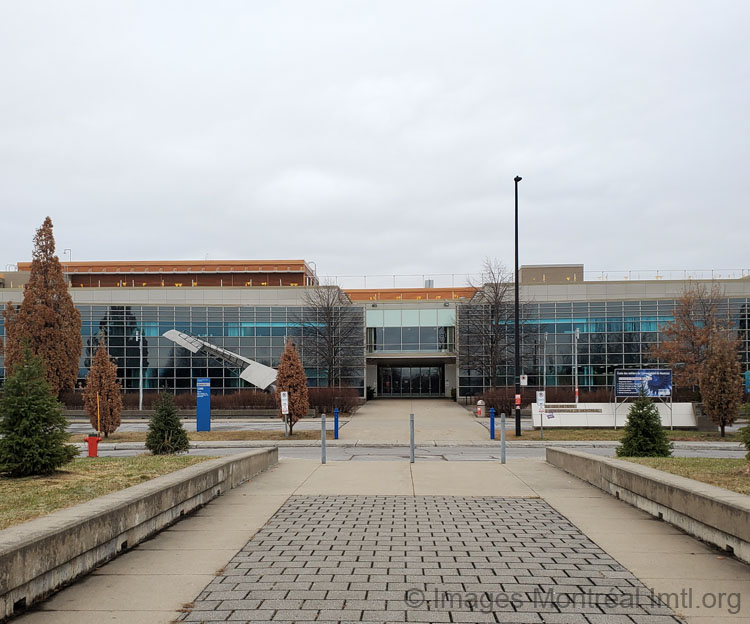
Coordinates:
(540, 399)
(203, 405)
(656, 382)
(285, 411)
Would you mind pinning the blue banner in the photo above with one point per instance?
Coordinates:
(656, 382)
(747, 381)
(203, 405)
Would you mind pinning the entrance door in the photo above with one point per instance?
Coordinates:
(411, 381)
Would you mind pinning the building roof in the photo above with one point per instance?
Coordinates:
(399, 294)
(182, 266)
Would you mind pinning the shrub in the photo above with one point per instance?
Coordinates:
(745, 439)
(32, 424)
(644, 436)
(291, 378)
(324, 400)
(103, 394)
(166, 434)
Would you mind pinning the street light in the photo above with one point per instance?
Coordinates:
(139, 340)
(516, 374)
(575, 361)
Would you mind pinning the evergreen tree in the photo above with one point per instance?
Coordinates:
(721, 380)
(47, 318)
(32, 425)
(165, 431)
(103, 394)
(644, 436)
(291, 378)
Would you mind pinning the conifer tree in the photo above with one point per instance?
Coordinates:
(644, 436)
(291, 378)
(32, 425)
(101, 383)
(166, 434)
(47, 318)
(721, 380)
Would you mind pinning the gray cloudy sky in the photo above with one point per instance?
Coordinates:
(378, 137)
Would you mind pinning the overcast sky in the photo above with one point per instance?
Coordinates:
(378, 137)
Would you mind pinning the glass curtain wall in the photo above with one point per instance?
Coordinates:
(612, 334)
(404, 330)
(258, 333)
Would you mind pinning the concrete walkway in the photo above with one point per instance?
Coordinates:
(151, 583)
(387, 421)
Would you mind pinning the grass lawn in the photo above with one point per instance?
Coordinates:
(732, 474)
(79, 481)
(615, 435)
(212, 436)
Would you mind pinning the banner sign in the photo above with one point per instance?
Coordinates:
(203, 405)
(656, 382)
(747, 381)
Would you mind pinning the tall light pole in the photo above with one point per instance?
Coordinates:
(575, 362)
(517, 372)
(139, 339)
(544, 363)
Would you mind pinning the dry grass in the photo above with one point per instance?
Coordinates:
(212, 436)
(80, 481)
(731, 474)
(614, 435)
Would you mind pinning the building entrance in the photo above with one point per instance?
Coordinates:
(411, 381)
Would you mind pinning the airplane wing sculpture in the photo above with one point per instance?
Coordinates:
(253, 372)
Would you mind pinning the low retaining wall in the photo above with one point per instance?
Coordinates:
(710, 513)
(602, 415)
(40, 556)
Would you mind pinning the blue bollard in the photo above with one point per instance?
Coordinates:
(492, 423)
(335, 423)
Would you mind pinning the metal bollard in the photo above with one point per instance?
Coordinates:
(411, 436)
(335, 423)
(322, 438)
(502, 438)
(492, 423)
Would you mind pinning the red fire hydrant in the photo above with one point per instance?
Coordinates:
(93, 442)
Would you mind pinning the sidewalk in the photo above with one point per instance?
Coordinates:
(207, 562)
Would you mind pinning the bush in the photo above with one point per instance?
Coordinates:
(745, 439)
(32, 424)
(166, 434)
(323, 400)
(644, 436)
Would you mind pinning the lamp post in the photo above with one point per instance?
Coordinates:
(575, 362)
(516, 373)
(139, 339)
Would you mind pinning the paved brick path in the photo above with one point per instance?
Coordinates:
(424, 559)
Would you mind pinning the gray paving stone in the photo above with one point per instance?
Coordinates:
(356, 558)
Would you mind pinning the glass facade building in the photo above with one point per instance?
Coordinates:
(612, 335)
(255, 332)
(401, 343)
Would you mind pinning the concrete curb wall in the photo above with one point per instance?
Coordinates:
(712, 514)
(489, 444)
(42, 555)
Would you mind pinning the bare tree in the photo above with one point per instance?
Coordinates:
(332, 332)
(486, 323)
